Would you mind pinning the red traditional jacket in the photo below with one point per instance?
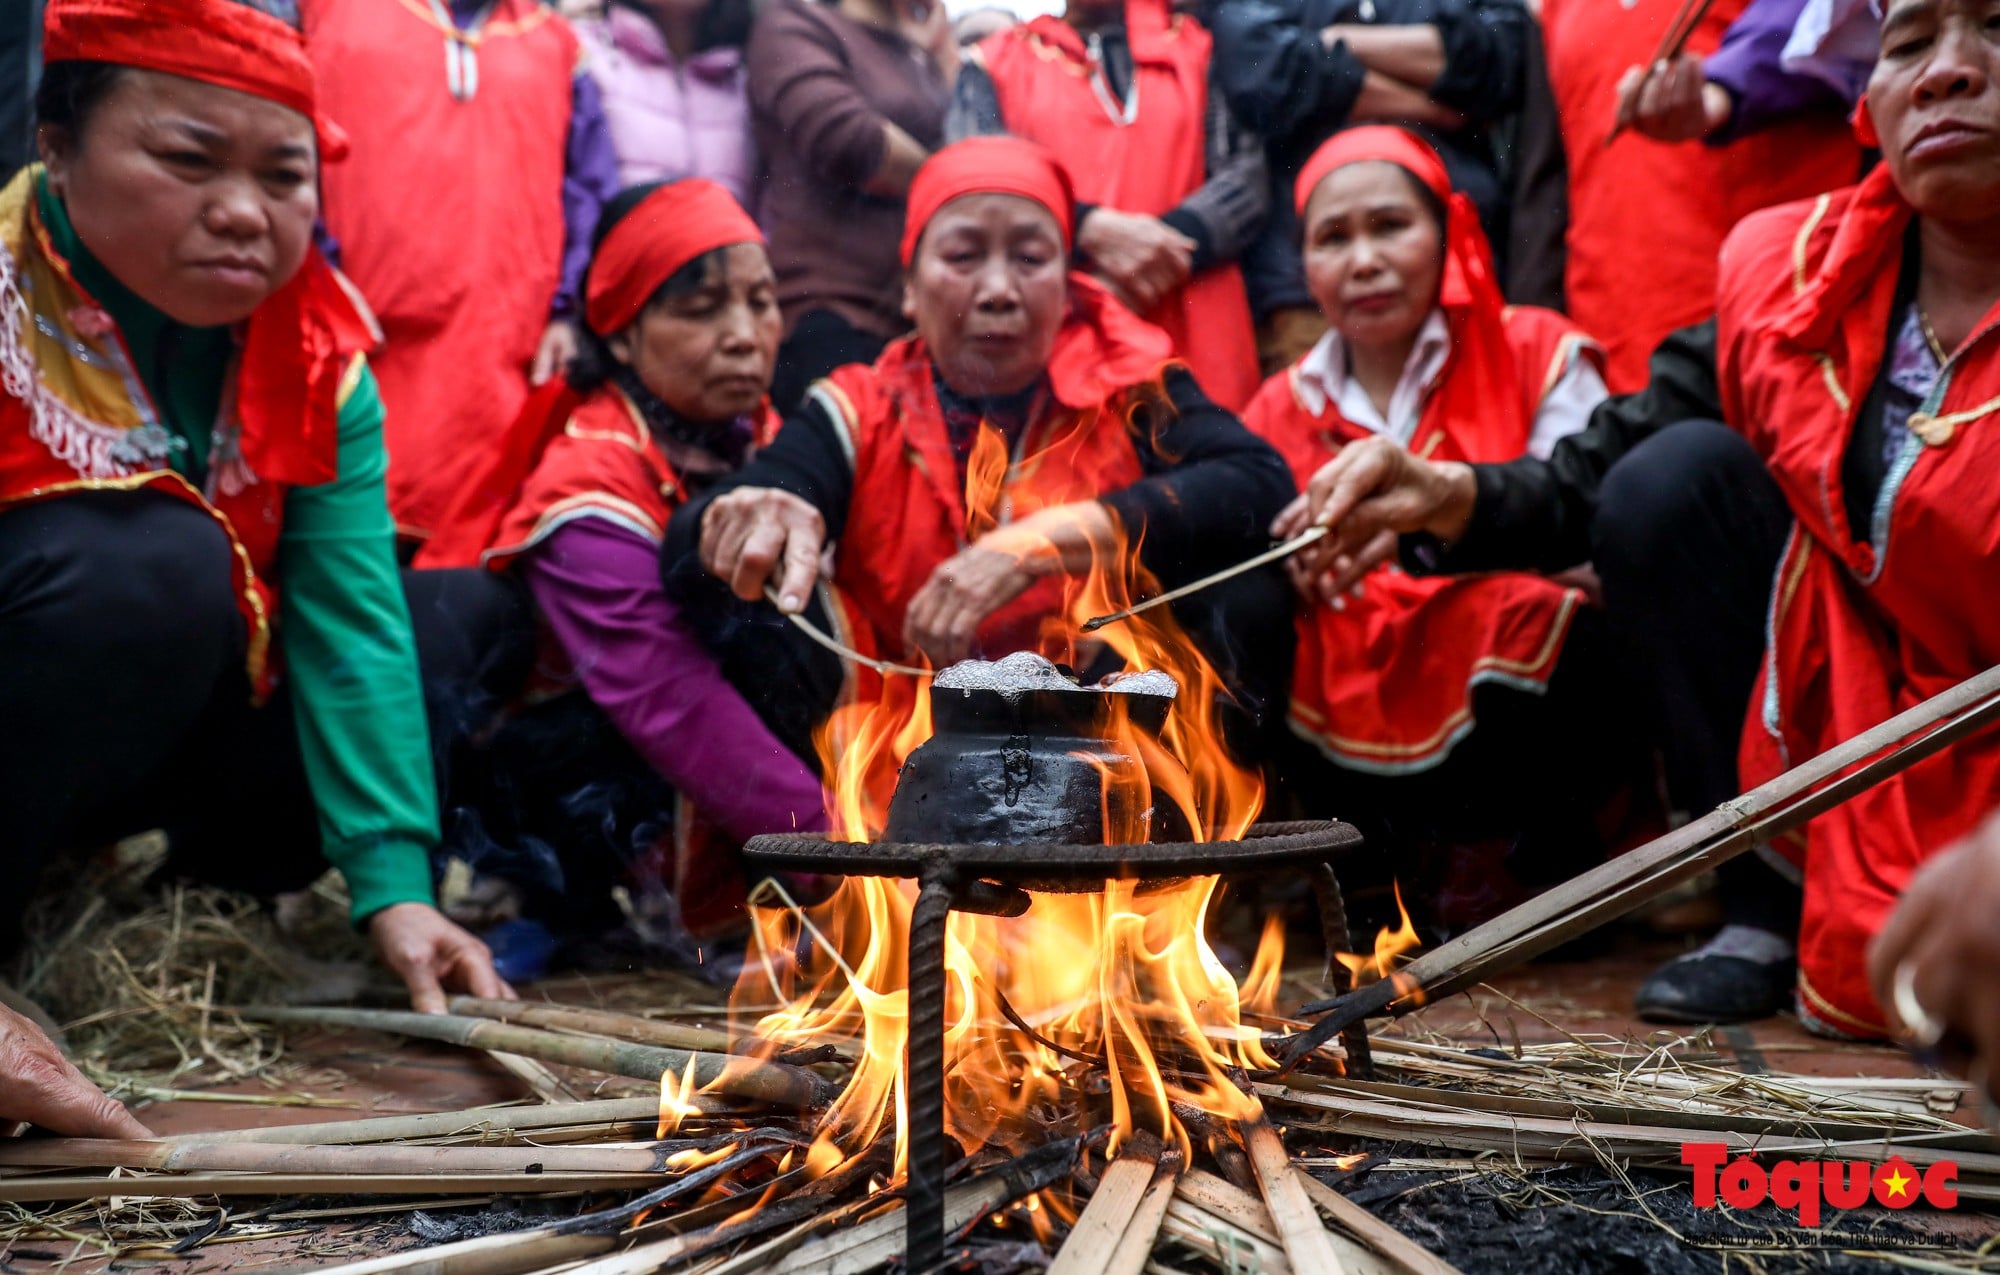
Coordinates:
(1385, 685)
(1678, 200)
(1044, 77)
(460, 278)
(74, 407)
(1865, 621)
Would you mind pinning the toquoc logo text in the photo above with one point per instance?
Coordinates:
(1806, 1186)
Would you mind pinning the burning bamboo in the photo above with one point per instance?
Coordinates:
(776, 1083)
(1135, 1246)
(1103, 1222)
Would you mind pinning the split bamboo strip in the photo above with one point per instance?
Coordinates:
(729, 1074)
(1619, 885)
(1224, 1223)
(1135, 1247)
(601, 1022)
(42, 1190)
(610, 1113)
(1088, 1248)
(1385, 1239)
(1292, 1212)
(542, 1082)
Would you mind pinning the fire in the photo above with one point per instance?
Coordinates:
(1389, 945)
(1120, 979)
(676, 1100)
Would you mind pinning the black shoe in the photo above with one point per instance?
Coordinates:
(1708, 988)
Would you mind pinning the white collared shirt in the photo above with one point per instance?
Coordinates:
(1323, 378)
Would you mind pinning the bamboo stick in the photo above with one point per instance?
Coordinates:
(1619, 885)
(42, 1190)
(599, 1022)
(1385, 1239)
(1098, 1229)
(1292, 1212)
(541, 1082)
(1135, 1246)
(775, 1083)
(610, 1113)
(1311, 536)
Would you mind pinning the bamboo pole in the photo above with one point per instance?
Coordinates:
(250, 1157)
(1135, 1246)
(42, 1190)
(1619, 885)
(600, 1022)
(611, 1114)
(1299, 1228)
(738, 1077)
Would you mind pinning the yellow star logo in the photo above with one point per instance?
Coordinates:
(1898, 1184)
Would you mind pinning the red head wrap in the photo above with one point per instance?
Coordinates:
(1467, 291)
(988, 166)
(671, 227)
(221, 42)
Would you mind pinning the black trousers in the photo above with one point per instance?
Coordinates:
(820, 342)
(1688, 531)
(125, 705)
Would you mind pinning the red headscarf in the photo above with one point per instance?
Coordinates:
(1103, 347)
(221, 42)
(670, 227)
(1479, 383)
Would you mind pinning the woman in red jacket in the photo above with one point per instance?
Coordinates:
(1857, 350)
(1438, 702)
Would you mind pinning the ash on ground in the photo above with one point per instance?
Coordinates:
(1583, 1221)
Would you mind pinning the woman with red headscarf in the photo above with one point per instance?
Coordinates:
(682, 330)
(1446, 706)
(200, 612)
(1855, 360)
(979, 464)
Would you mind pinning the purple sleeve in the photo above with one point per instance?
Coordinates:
(1749, 65)
(590, 179)
(598, 586)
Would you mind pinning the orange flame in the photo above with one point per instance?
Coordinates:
(1389, 945)
(985, 481)
(1123, 977)
(676, 1100)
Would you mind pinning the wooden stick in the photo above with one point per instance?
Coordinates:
(1135, 1247)
(1292, 1212)
(775, 1083)
(1311, 536)
(600, 1022)
(1103, 1222)
(609, 1113)
(838, 647)
(1620, 885)
(1385, 1239)
(41, 1190)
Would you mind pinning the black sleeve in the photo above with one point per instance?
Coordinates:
(975, 105)
(1278, 77)
(1485, 57)
(1535, 515)
(1211, 487)
(808, 459)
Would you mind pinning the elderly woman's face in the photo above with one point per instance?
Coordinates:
(708, 354)
(1373, 253)
(1936, 104)
(987, 292)
(198, 198)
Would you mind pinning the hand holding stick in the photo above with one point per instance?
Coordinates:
(1675, 39)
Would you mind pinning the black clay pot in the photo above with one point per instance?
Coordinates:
(1028, 768)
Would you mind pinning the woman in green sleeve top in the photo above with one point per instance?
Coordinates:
(200, 612)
